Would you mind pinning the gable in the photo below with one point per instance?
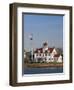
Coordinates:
(54, 51)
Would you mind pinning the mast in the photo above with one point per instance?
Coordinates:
(31, 46)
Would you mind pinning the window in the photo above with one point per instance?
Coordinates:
(49, 58)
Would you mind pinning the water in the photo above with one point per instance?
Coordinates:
(43, 70)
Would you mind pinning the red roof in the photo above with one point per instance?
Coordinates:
(50, 49)
(57, 55)
(41, 50)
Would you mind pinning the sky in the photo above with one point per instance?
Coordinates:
(44, 28)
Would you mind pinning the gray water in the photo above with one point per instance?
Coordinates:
(43, 70)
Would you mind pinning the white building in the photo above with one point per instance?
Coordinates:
(46, 54)
(58, 58)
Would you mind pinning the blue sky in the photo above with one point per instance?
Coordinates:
(44, 28)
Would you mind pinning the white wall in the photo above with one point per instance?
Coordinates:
(4, 46)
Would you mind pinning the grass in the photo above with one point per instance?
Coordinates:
(46, 62)
(39, 65)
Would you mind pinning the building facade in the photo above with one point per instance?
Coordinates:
(46, 54)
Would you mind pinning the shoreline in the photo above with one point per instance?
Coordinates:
(41, 65)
